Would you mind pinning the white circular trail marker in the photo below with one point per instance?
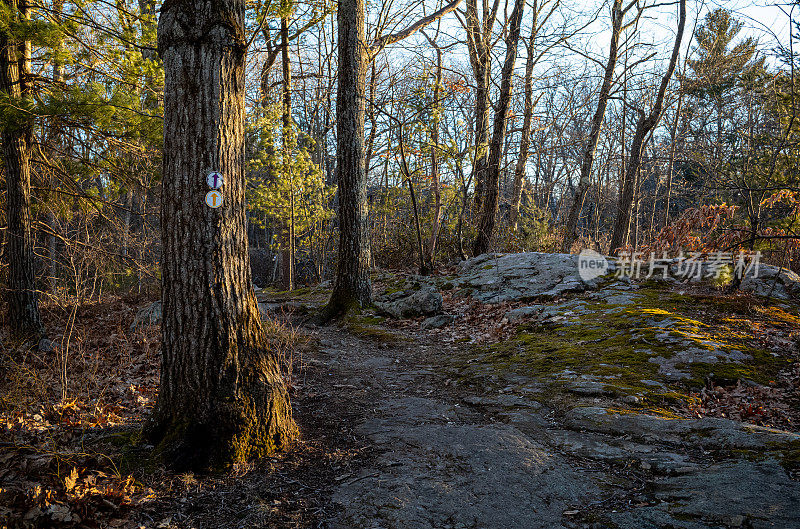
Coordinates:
(214, 180)
(214, 199)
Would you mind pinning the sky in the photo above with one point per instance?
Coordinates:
(763, 19)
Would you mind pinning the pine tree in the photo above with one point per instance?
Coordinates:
(17, 132)
(719, 75)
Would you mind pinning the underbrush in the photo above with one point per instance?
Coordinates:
(70, 417)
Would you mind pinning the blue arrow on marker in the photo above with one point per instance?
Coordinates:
(214, 180)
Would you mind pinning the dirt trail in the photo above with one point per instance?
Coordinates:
(452, 451)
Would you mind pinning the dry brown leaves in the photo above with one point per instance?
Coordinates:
(98, 381)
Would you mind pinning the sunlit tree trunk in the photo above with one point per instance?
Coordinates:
(671, 164)
(527, 118)
(15, 84)
(594, 134)
(288, 243)
(643, 127)
(352, 287)
(486, 223)
(435, 183)
(222, 398)
(481, 60)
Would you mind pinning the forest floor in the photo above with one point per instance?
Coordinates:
(606, 412)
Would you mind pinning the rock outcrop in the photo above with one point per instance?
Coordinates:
(425, 301)
(495, 278)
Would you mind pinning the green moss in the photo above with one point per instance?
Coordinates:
(613, 344)
(274, 293)
(370, 327)
(762, 369)
(586, 348)
(788, 454)
(371, 320)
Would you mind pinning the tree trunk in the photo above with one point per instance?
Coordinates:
(527, 118)
(15, 83)
(594, 134)
(643, 127)
(486, 223)
(423, 268)
(352, 287)
(54, 134)
(481, 61)
(288, 235)
(671, 164)
(222, 398)
(435, 183)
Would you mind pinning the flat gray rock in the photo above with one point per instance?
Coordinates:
(495, 278)
(708, 432)
(772, 281)
(731, 494)
(437, 322)
(436, 473)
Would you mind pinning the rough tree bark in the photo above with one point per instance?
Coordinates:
(617, 13)
(643, 127)
(221, 399)
(17, 131)
(479, 33)
(487, 221)
(352, 287)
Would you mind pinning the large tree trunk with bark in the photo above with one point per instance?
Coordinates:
(643, 127)
(222, 398)
(487, 221)
(594, 134)
(352, 287)
(15, 83)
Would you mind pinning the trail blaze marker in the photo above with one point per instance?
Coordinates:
(214, 180)
(214, 199)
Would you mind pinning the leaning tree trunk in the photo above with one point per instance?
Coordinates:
(487, 221)
(643, 127)
(594, 135)
(17, 131)
(352, 287)
(525, 138)
(222, 398)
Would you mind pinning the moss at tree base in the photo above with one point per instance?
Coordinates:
(245, 429)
